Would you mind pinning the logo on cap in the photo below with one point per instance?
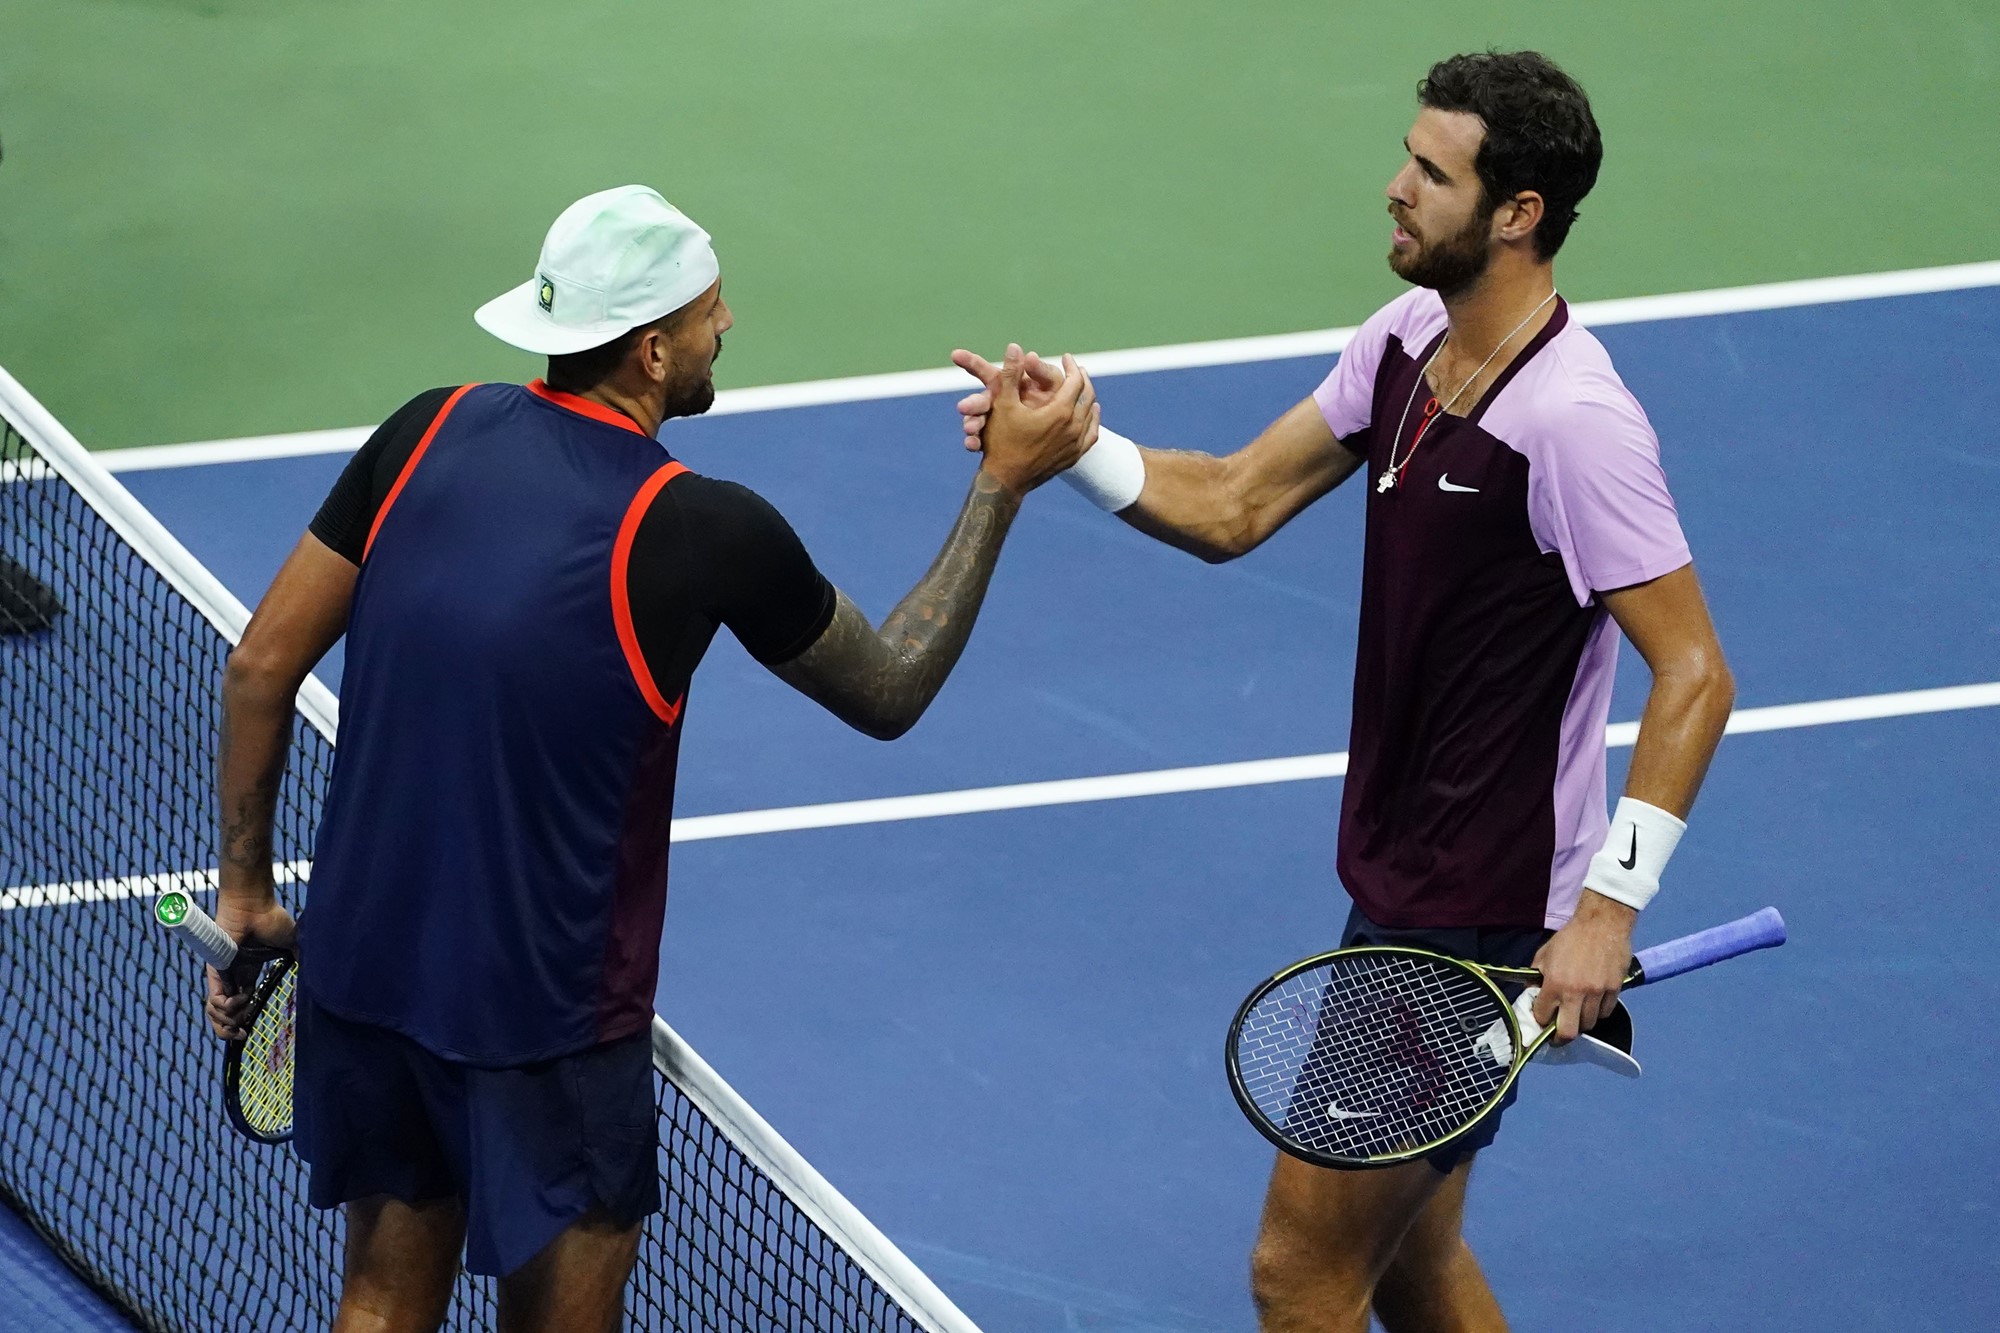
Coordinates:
(547, 295)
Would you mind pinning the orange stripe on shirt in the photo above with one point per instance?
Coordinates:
(621, 599)
(411, 466)
(584, 407)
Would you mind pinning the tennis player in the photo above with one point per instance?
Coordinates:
(1517, 521)
(527, 581)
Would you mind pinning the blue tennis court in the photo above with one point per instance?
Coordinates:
(999, 1033)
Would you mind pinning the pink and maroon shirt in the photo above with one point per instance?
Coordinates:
(1475, 791)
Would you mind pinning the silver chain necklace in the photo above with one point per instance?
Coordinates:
(1392, 475)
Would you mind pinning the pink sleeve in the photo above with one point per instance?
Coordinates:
(1598, 496)
(1346, 397)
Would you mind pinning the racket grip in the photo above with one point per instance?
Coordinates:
(186, 922)
(1760, 930)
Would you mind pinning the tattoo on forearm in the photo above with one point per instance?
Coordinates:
(250, 769)
(246, 830)
(881, 681)
(931, 626)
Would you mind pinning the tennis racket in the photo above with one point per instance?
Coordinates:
(257, 1070)
(1376, 1055)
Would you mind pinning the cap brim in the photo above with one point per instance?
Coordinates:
(516, 317)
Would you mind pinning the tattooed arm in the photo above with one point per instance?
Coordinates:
(299, 619)
(880, 681)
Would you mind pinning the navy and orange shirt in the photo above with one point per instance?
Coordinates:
(538, 580)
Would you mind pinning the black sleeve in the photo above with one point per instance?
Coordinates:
(748, 570)
(349, 509)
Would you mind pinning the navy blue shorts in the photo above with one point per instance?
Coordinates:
(527, 1150)
(1505, 946)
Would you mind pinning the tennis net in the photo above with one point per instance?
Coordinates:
(113, 1144)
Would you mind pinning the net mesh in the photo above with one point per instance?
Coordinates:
(114, 1144)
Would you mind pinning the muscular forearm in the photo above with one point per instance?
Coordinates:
(256, 740)
(1583, 966)
(1221, 508)
(880, 681)
(929, 628)
(1191, 503)
(1678, 732)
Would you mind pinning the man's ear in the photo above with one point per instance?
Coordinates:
(1518, 217)
(656, 353)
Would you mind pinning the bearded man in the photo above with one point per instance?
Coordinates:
(1518, 520)
(527, 581)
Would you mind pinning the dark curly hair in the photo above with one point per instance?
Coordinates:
(1540, 134)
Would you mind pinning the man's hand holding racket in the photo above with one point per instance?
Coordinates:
(1377, 1054)
(261, 933)
(1583, 966)
(252, 1001)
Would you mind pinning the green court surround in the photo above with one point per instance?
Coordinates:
(231, 217)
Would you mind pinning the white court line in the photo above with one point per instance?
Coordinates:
(133, 886)
(1138, 360)
(1071, 791)
(1258, 772)
(248, 449)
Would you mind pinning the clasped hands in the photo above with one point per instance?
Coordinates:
(1021, 415)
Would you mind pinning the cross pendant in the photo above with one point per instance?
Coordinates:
(1386, 481)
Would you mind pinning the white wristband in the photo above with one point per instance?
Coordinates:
(1635, 853)
(1111, 472)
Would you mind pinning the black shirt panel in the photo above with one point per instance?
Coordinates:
(707, 553)
(350, 507)
(725, 553)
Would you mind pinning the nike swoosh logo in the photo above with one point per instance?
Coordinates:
(1444, 484)
(1341, 1113)
(1633, 859)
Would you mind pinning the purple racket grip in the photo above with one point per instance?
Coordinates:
(1759, 930)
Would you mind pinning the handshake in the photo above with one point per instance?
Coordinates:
(1030, 418)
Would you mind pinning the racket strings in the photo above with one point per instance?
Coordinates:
(264, 1068)
(1374, 1055)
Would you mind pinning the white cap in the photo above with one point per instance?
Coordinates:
(614, 260)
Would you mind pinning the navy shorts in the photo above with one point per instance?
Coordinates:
(1505, 946)
(527, 1150)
